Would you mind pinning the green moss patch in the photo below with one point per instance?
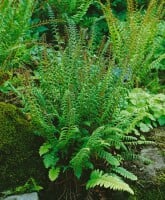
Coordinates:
(19, 158)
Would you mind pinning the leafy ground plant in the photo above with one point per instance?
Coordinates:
(28, 187)
(143, 112)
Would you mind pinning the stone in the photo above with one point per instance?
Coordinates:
(154, 154)
(28, 196)
(151, 177)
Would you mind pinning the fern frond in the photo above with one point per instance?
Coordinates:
(139, 142)
(123, 172)
(112, 160)
(67, 137)
(68, 108)
(72, 33)
(54, 173)
(81, 10)
(98, 178)
(81, 161)
(54, 26)
(129, 155)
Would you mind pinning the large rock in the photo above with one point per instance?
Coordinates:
(19, 158)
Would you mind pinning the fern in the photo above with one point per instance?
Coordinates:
(50, 160)
(98, 178)
(54, 26)
(76, 104)
(133, 40)
(74, 9)
(81, 161)
(81, 10)
(15, 39)
(126, 174)
(112, 160)
(54, 173)
(67, 137)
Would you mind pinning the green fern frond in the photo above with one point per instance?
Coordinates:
(54, 26)
(68, 108)
(54, 173)
(81, 161)
(139, 142)
(130, 156)
(112, 160)
(128, 138)
(72, 35)
(50, 160)
(123, 172)
(67, 137)
(98, 178)
(81, 10)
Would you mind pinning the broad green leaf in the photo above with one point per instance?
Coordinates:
(50, 160)
(44, 149)
(144, 128)
(54, 173)
(161, 120)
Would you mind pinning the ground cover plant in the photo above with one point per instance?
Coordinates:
(79, 96)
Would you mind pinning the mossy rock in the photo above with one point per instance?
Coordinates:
(19, 158)
(153, 190)
(150, 186)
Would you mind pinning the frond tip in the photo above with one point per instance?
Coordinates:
(98, 178)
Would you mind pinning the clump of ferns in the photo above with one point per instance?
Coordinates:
(132, 40)
(15, 38)
(72, 105)
(78, 150)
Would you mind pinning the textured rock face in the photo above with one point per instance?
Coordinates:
(154, 154)
(151, 178)
(19, 158)
(30, 196)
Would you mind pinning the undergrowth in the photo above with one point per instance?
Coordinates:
(75, 96)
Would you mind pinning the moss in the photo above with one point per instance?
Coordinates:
(159, 137)
(18, 149)
(150, 191)
(4, 76)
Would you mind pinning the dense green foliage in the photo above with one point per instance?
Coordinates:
(133, 40)
(15, 35)
(142, 112)
(76, 87)
(72, 106)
